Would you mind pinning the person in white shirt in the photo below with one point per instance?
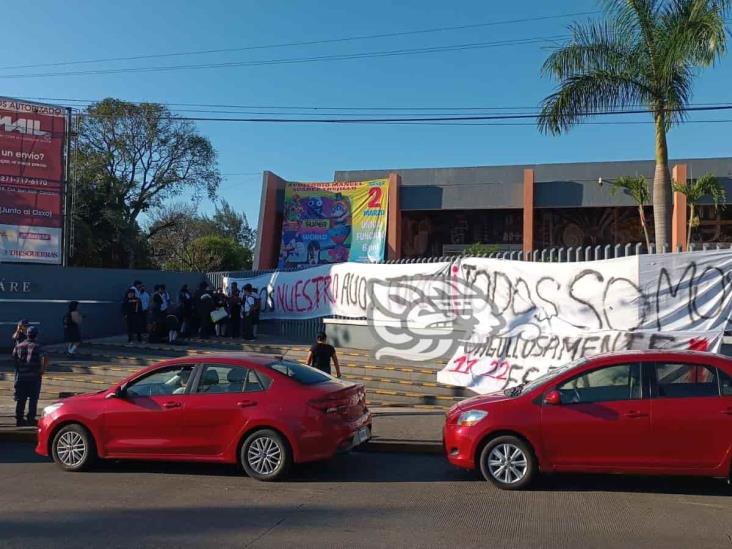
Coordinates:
(166, 298)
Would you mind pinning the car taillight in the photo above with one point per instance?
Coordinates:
(325, 405)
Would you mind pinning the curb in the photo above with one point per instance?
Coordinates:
(18, 435)
(391, 446)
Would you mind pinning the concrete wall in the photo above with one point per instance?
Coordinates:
(556, 185)
(40, 293)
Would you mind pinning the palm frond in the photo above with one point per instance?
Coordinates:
(582, 95)
(635, 187)
(706, 185)
(593, 46)
(692, 31)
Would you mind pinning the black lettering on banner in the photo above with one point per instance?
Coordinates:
(588, 345)
(572, 347)
(575, 281)
(657, 341)
(717, 298)
(642, 311)
(527, 299)
(546, 300)
(664, 275)
(508, 292)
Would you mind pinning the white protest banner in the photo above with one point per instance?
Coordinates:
(506, 322)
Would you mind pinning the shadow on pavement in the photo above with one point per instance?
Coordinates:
(632, 484)
(142, 525)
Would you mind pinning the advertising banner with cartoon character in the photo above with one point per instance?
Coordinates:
(500, 323)
(333, 223)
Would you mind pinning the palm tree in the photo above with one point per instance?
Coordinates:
(695, 190)
(637, 189)
(645, 53)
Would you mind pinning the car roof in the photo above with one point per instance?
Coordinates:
(258, 359)
(661, 353)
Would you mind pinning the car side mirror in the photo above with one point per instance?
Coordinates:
(553, 398)
(119, 392)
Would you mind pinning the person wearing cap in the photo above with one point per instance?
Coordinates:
(31, 363)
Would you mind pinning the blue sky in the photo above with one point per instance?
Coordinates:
(53, 31)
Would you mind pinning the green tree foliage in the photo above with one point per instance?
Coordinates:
(479, 249)
(646, 52)
(179, 238)
(695, 191)
(637, 189)
(132, 158)
(218, 253)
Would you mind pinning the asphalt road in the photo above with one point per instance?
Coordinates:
(355, 500)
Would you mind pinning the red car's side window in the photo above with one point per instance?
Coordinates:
(725, 383)
(612, 383)
(675, 380)
(224, 378)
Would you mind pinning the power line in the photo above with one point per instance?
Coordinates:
(306, 43)
(295, 60)
(433, 118)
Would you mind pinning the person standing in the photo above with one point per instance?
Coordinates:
(255, 314)
(131, 313)
(247, 313)
(144, 309)
(185, 302)
(165, 296)
(205, 307)
(31, 363)
(321, 354)
(235, 306)
(156, 315)
(19, 335)
(72, 328)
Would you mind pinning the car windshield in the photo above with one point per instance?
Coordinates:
(299, 372)
(551, 374)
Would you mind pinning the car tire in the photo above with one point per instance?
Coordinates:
(508, 462)
(266, 455)
(73, 448)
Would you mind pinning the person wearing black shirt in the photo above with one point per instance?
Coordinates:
(321, 354)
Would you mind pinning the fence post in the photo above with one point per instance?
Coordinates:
(607, 251)
(705, 247)
(691, 247)
(665, 247)
(535, 255)
(560, 255)
(543, 255)
(598, 249)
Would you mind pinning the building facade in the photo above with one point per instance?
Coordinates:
(441, 211)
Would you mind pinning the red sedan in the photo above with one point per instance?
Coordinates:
(260, 411)
(643, 412)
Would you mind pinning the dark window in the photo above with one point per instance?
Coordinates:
(685, 381)
(299, 372)
(725, 383)
(166, 381)
(603, 385)
(222, 378)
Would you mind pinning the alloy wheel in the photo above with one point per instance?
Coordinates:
(71, 449)
(507, 463)
(264, 455)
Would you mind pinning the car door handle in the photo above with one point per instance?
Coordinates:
(635, 414)
(246, 403)
(727, 412)
(172, 405)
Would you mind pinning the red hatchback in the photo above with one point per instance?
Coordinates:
(260, 411)
(643, 412)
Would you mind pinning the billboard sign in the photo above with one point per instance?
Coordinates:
(326, 223)
(32, 179)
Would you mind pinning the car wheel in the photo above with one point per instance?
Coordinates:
(73, 448)
(508, 462)
(265, 455)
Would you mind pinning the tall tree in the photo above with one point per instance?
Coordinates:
(142, 154)
(234, 225)
(695, 190)
(646, 52)
(637, 189)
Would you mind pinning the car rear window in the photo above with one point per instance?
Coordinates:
(299, 372)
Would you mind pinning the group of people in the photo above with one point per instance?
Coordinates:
(203, 312)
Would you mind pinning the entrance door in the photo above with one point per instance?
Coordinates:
(603, 421)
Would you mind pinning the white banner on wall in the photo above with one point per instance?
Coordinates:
(506, 322)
